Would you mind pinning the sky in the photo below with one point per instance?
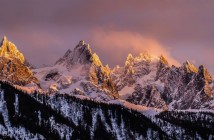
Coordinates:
(44, 30)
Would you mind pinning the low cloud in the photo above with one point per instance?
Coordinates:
(114, 46)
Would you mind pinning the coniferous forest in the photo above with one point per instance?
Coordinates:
(67, 117)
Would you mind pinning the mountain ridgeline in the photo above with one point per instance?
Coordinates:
(80, 98)
(153, 82)
(97, 73)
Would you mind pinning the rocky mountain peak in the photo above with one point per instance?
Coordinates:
(189, 67)
(96, 60)
(145, 55)
(81, 43)
(129, 60)
(13, 66)
(205, 74)
(95, 71)
(4, 40)
(9, 50)
(68, 52)
(163, 60)
(81, 54)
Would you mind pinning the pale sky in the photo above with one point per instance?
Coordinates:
(44, 30)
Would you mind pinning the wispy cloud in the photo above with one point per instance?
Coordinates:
(115, 45)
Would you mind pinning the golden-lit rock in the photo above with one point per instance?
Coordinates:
(96, 72)
(190, 67)
(9, 50)
(12, 66)
(95, 60)
(163, 60)
(205, 79)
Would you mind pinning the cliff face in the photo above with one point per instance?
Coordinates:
(9, 50)
(150, 81)
(80, 72)
(12, 65)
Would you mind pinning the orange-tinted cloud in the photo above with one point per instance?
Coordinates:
(117, 44)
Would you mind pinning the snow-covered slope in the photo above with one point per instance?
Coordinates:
(78, 72)
(150, 81)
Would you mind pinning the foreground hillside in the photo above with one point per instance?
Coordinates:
(65, 117)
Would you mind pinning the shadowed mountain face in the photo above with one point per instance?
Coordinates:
(12, 66)
(150, 81)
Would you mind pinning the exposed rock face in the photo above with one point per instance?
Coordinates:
(147, 96)
(205, 79)
(78, 66)
(81, 54)
(9, 50)
(184, 87)
(97, 73)
(12, 65)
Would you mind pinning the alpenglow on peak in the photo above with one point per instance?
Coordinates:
(12, 65)
(81, 54)
(9, 50)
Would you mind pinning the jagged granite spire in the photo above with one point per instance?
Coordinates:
(189, 67)
(204, 79)
(129, 60)
(97, 73)
(12, 66)
(181, 87)
(163, 60)
(9, 50)
(82, 54)
(205, 74)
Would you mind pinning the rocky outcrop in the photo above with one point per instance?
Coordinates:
(82, 54)
(9, 50)
(12, 65)
(184, 87)
(147, 96)
(90, 68)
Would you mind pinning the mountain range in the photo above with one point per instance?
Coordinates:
(80, 98)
